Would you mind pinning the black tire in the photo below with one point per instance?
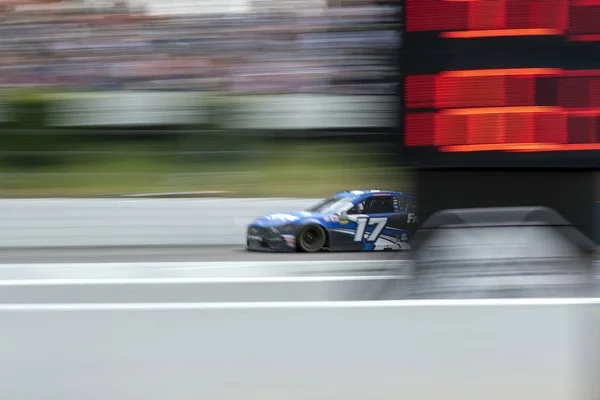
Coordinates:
(311, 239)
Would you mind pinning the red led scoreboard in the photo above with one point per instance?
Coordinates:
(501, 83)
(577, 20)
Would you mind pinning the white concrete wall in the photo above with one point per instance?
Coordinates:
(131, 222)
(196, 7)
(281, 111)
(127, 108)
(299, 351)
(311, 111)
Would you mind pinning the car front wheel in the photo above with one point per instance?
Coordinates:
(311, 239)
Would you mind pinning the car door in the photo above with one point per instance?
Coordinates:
(406, 219)
(372, 226)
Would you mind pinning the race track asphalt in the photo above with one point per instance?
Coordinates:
(173, 254)
(187, 274)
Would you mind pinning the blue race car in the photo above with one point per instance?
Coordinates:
(357, 220)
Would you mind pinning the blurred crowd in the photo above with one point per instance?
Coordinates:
(50, 43)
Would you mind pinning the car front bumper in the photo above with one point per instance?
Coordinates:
(269, 240)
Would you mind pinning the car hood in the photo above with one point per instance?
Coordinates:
(295, 217)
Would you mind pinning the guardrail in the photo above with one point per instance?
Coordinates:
(139, 222)
(133, 222)
(468, 350)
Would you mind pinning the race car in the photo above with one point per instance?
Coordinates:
(357, 220)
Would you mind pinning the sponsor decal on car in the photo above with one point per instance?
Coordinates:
(391, 246)
(290, 240)
(311, 221)
(404, 237)
(285, 217)
(344, 219)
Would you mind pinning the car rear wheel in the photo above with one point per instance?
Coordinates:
(311, 239)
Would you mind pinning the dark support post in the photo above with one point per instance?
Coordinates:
(569, 192)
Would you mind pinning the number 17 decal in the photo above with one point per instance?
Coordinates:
(361, 226)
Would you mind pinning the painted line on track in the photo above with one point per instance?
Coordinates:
(179, 281)
(296, 305)
(200, 264)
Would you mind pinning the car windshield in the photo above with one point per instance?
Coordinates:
(332, 205)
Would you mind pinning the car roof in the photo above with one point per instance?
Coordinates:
(359, 193)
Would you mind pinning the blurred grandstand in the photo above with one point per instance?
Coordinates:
(230, 45)
(248, 97)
